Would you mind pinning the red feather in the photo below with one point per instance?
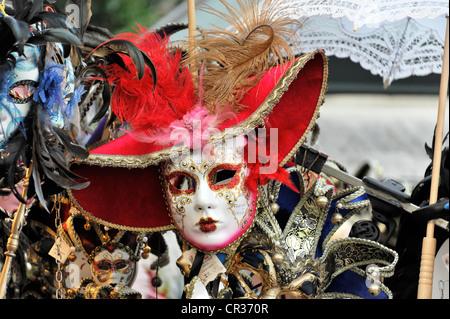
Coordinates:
(136, 101)
(256, 179)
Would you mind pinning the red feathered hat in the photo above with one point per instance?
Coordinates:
(125, 190)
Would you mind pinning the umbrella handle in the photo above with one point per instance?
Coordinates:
(429, 242)
(427, 266)
(191, 24)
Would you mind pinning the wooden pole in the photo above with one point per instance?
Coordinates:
(191, 24)
(429, 242)
(13, 240)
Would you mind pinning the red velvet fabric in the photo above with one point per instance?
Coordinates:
(122, 196)
(293, 114)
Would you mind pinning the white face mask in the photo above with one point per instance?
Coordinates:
(207, 198)
(113, 267)
(23, 81)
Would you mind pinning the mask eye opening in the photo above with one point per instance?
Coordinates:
(224, 176)
(103, 265)
(181, 182)
(122, 265)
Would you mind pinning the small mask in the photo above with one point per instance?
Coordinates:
(113, 265)
(257, 276)
(207, 197)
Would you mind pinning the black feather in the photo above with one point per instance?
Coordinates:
(74, 149)
(36, 6)
(15, 158)
(51, 19)
(116, 58)
(124, 47)
(94, 36)
(152, 68)
(37, 186)
(60, 35)
(47, 149)
(19, 9)
(171, 29)
(20, 30)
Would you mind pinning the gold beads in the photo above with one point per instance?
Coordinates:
(336, 218)
(146, 251)
(373, 280)
(72, 257)
(105, 238)
(322, 201)
(277, 258)
(374, 289)
(274, 207)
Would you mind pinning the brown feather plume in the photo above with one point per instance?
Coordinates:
(232, 60)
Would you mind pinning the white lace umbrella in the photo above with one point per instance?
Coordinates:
(369, 12)
(394, 50)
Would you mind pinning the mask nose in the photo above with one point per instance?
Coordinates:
(204, 206)
(204, 199)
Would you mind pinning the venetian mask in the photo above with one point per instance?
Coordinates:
(207, 197)
(25, 84)
(255, 273)
(113, 265)
(21, 83)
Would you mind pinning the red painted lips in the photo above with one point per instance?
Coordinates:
(207, 224)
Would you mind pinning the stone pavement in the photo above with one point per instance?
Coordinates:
(386, 131)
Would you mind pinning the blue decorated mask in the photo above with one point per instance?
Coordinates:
(17, 85)
(23, 84)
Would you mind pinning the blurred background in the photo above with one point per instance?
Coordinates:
(362, 124)
(122, 15)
